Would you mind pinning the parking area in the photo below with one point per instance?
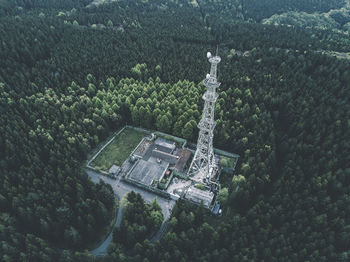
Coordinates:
(121, 189)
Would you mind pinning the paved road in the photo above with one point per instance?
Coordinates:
(119, 215)
(161, 231)
(120, 189)
(102, 249)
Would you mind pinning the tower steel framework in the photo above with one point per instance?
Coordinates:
(203, 165)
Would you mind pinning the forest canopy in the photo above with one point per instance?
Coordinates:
(70, 75)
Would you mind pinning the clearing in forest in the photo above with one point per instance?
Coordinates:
(118, 150)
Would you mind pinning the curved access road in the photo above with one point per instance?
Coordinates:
(120, 189)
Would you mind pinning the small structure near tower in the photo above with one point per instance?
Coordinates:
(204, 166)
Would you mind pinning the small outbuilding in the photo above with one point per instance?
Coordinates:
(199, 196)
(114, 170)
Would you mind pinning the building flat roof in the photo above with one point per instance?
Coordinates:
(165, 143)
(152, 147)
(184, 155)
(145, 172)
(114, 169)
(171, 159)
(197, 196)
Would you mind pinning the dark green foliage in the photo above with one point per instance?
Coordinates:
(45, 4)
(341, 18)
(259, 9)
(282, 106)
(139, 221)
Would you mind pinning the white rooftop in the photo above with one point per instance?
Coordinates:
(114, 169)
(197, 196)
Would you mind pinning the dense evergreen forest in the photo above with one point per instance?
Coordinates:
(70, 75)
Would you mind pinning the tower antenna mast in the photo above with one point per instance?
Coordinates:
(203, 166)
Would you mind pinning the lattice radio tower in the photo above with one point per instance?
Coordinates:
(203, 165)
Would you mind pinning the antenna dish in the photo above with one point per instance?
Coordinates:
(208, 54)
(208, 75)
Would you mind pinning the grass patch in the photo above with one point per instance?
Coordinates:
(200, 186)
(118, 150)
